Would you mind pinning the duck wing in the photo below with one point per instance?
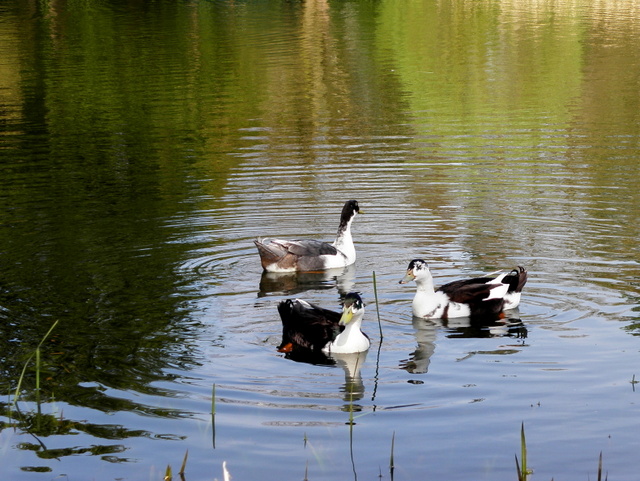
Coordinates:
(278, 248)
(311, 248)
(468, 291)
(306, 326)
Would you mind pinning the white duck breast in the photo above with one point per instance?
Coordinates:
(352, 339)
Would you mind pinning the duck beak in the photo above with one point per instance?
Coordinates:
(408, 278)
(347, 315)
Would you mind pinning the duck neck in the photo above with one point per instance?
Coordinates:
(351, 339)
(425, 285)
(425, 299)
(344, 241)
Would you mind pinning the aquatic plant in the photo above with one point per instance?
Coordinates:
(392, 463)
(213, 415)
(523, 470)
(36, 353)
(375, 294)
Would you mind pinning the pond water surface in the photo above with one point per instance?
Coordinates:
(144, 145)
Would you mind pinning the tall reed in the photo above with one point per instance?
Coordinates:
(523, 471)
(36, 353)
(375, 293)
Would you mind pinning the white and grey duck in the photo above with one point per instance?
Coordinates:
(479, 296)
(278, 255)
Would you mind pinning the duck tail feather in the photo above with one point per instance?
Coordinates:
(269, 252)
(516, 279)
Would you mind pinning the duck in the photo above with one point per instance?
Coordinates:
(307, 255)
(480, 296)
(310, 328)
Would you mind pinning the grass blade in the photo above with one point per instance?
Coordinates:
(392, 464)
(600, 467)
(523, 452)
(375, 293)
(184, 463)
(26, 364)
(213, 415)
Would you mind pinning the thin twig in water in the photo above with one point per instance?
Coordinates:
(375, 293)
(600, 467)
(213, 415)
(392, 464)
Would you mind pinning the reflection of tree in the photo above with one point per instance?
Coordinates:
(532, 76)
(40, 426)
(96, 174)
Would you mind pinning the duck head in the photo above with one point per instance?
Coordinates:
(417, 269)
(350, 209)
(353, 307)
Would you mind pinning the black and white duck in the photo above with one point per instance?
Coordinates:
(480, 296)
(278, 255)
(307, 327)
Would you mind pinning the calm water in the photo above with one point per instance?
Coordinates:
(143, 145)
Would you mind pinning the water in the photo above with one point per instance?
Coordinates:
(143, 147)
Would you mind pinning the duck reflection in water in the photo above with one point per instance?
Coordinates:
(426, 331)
(352, 363)
(291, 283)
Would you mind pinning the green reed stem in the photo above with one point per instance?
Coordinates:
(213, 415)
(38, 378)
(36, 353)
(184, 463)
(375, 293)
(524, 470)
(213, 400)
